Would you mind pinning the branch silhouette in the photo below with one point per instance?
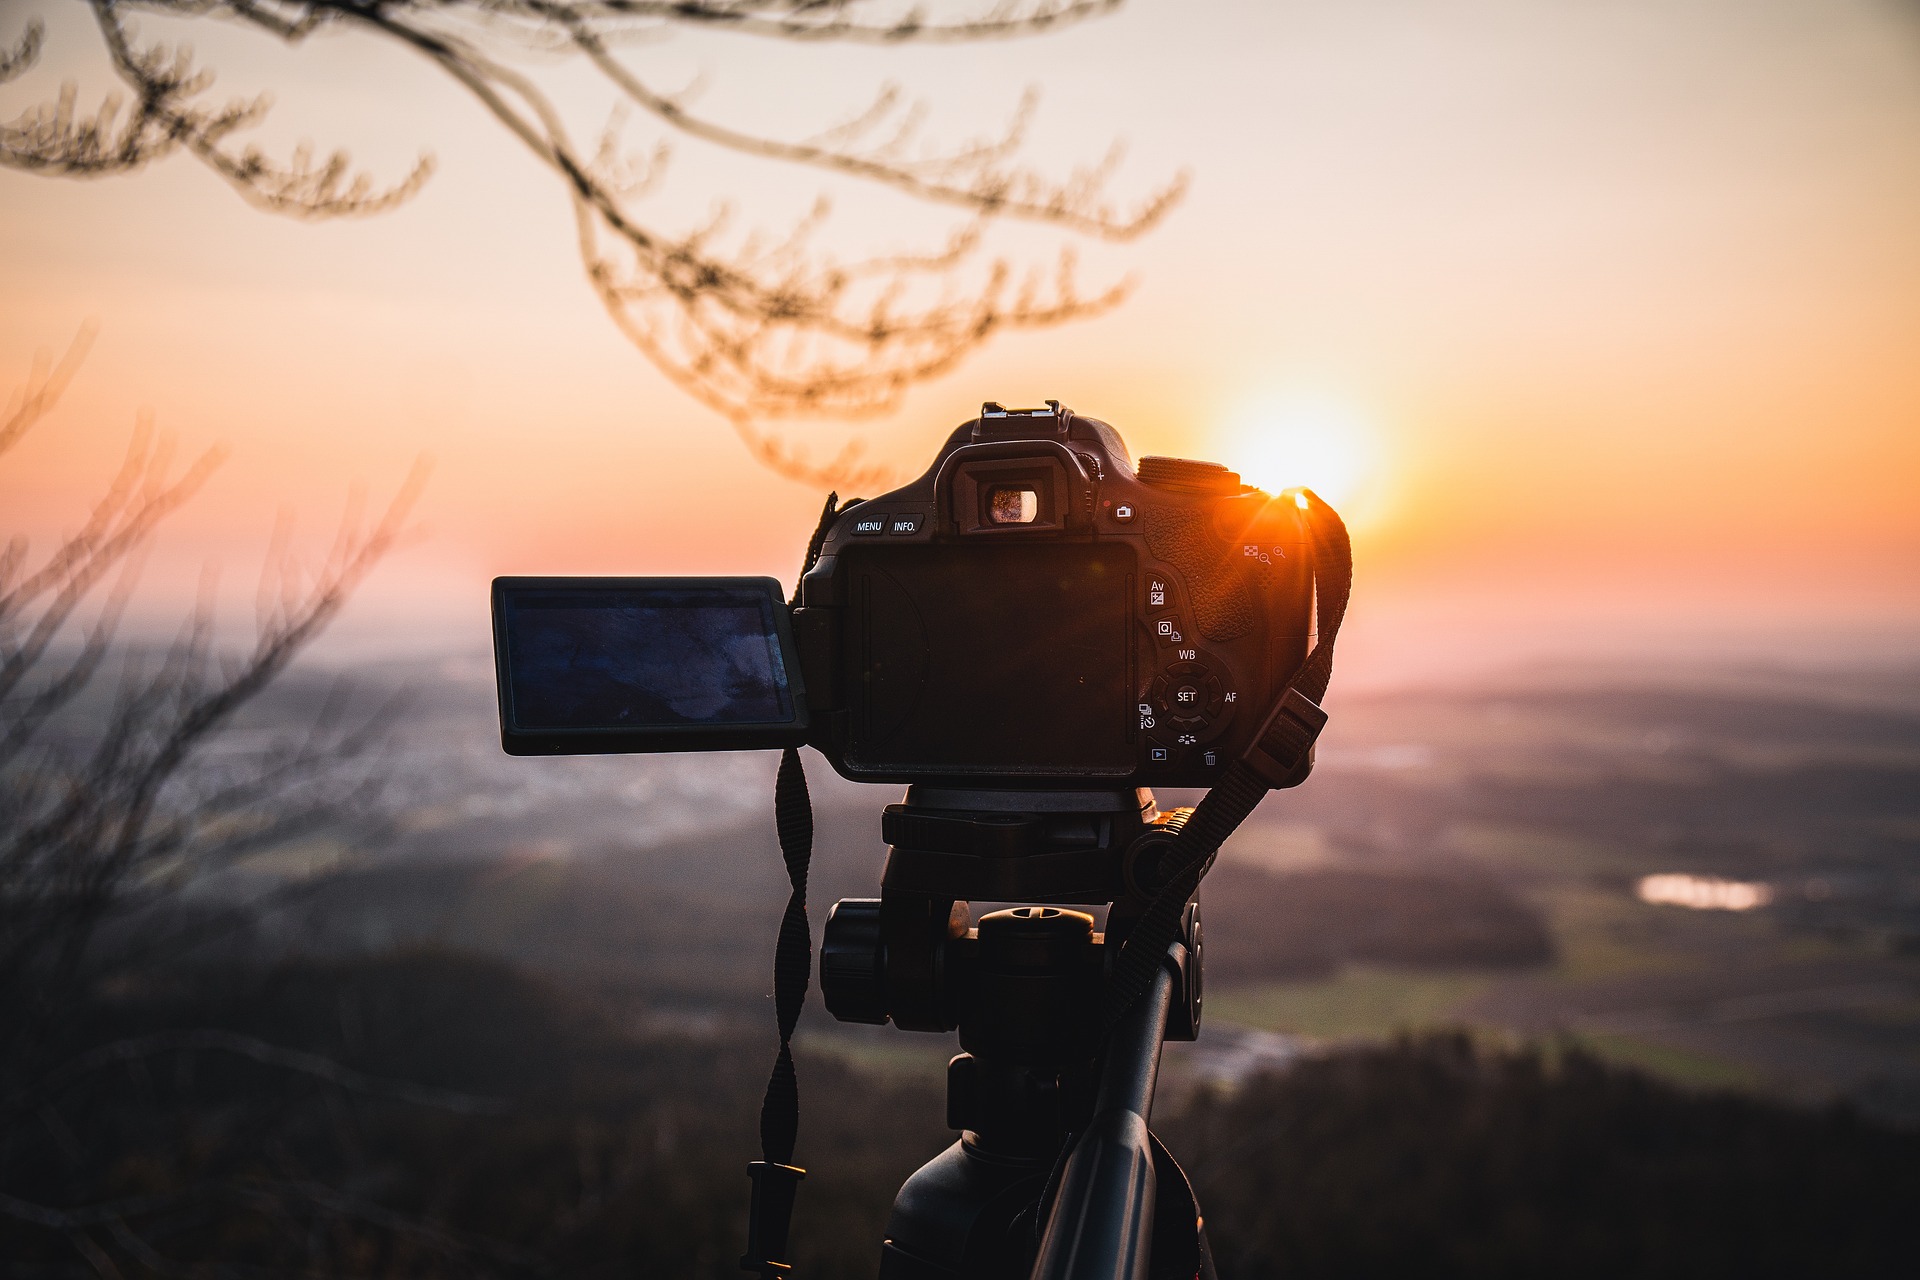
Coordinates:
(755, 327)
(95, 826)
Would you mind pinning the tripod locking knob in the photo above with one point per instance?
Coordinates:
(853, 962)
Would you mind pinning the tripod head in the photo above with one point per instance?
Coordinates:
(910, 956)
(1025, 988)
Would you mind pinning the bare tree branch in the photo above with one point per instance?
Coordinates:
(831, 20)
(140, 497)
(108, 830)
(166, 116)
(44, 387)
(23, 55)
(755, 329)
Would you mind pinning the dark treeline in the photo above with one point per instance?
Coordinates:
(421, 1114)
(431, 1114)
(648, 929)
(1309, 923)
(1431, 1158)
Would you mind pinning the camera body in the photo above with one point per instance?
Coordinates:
(1031, 612)
(1033, 609)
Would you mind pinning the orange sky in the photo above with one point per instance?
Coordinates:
(1617, 304)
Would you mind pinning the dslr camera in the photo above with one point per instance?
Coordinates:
(1033, 634)
(1033, 611)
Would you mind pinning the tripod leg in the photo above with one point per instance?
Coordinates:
(1206, 1258)
(953, 1220)
(1180, 1250)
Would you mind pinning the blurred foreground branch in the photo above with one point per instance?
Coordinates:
(754, 326)
(111, 803)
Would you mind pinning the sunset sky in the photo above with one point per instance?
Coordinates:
(1600, 317)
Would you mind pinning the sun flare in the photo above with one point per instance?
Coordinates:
(1318, 443)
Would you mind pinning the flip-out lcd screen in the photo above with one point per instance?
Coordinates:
(627, 664)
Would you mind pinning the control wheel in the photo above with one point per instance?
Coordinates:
(853, 962)
(1184, 707)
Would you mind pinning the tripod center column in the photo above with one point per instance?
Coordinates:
(1029, 1026)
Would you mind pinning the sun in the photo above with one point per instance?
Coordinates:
(1300, 441)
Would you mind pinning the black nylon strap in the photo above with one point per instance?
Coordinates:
(770, 1212)
(792, 958)
(775, 1176)
(1278, 752)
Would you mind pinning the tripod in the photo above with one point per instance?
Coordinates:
(1056, 1173)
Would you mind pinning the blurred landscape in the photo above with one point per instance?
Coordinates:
(517, 1023)
(1462, 857)
(1592, 946)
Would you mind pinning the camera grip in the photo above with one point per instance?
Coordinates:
(1225, 602)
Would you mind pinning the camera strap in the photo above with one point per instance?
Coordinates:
(775, 1177)
(1273, 759)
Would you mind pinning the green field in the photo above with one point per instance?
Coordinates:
(1360, 1003)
